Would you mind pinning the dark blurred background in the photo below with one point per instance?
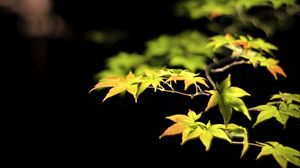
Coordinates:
(53, 120)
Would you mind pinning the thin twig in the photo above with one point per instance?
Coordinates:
(241, 143)
(229, 66)
(184, 94)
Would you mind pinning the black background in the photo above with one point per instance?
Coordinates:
(52, 120)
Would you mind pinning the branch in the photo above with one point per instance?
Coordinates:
(184, 94)
(211, 66)
(208, 68)
(229, 66)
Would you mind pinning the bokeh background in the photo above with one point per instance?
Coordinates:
(49, 67)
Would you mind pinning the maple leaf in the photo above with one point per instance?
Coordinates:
(210, 131)
(189, 78)
(228, 98)
(185, 125)
(238, 131)
(188, 126)
(119, 85)
(271, 65)
(282, 154)
(220, 41)
(286, 97)
(282, 113)
(151, 78)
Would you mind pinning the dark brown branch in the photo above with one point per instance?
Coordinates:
(213, 65)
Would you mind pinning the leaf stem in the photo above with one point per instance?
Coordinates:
(241, 143)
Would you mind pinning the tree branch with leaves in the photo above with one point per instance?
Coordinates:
(189, 59)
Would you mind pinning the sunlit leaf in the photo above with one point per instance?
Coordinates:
(287, 97)
(185, 125)
(175, 129)
(119, 85)
(229, 98)
(219, 41)
(217, 130)
(240, 132)
(190, 133)
(188, 78)
(272, 66)
(177, 118)
(151, 78)
(213, 100)
(266, 112)
(281, 110)
(282, 154)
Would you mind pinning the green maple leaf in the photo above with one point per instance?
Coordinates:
(151, 78)
(240, 132)
(228, 98)
(281, 113)
(286, 97)
(282, 154)
(210, 131)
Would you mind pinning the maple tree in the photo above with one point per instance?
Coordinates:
(199, 56)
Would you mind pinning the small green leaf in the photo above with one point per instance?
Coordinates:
(240, 132)
(206, 139)
(267, 113)
(282, 154)
(190, 133)
(217, 131)
(287, 97)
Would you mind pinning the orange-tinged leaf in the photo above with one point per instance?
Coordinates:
(177, 117)
(108, 82)
(276, 69)
(174, 129)
(188, 78)
(241, 43)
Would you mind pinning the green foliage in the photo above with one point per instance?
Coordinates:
(280, 109)
(185, 50)
(269, 19)
(282, 154)
(228, 98)
(208, 8)
(250, 49)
